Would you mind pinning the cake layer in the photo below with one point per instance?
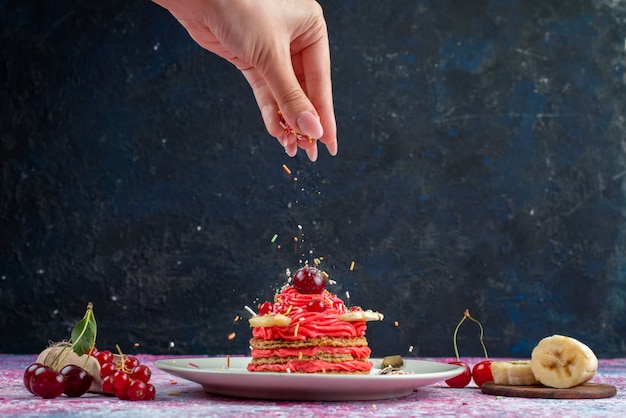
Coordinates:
(310, 353)
(331, 358)
(266, 344)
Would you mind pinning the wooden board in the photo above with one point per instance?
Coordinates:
(584, 391)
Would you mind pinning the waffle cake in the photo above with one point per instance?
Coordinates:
(306, 329)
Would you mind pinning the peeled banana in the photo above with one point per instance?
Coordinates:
(516, 373)
(562, 362)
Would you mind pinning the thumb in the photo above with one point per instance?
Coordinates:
(291, 100)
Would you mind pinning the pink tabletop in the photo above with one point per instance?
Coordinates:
(177, 397)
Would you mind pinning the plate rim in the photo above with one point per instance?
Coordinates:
(240, 383)
(162, 365)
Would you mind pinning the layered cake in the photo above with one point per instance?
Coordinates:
(306, 329)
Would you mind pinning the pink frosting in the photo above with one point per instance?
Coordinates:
(307, 324)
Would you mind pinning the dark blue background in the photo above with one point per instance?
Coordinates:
(481, 165)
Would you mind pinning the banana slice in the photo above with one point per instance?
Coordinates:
(516, 373)
(563, 362)
(278, 320)
(368, 315)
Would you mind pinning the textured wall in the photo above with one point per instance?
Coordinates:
(481, 165)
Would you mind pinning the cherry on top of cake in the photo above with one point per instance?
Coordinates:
(307, 292)
(309, 280)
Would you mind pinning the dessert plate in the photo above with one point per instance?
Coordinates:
(229, 377)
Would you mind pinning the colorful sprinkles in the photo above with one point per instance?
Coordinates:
(289, 131)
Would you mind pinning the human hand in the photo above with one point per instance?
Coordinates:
(281, 47)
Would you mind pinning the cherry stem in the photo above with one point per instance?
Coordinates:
(456, 330)
(467, 315)
(481, 336)
(64, 351)
(92, 318)
(123, 358)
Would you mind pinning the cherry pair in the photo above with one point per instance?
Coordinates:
(481, 374)
(48, 383)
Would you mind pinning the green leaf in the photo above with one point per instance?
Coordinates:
(84, 333)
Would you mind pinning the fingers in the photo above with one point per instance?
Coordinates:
(290, 98)
(269, 111)
(316, 69)
(307, 123)
(290, 72)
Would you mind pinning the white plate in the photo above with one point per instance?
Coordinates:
(215, 377)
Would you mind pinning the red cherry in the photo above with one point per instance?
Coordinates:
(107, 385)
(142, 373)
(265, 308)
(131, 362)
(28, 373)
(482, 373)
(120, 381)
(136, 390)
(77, 380)
(461, 380)
(104, 357)
(122, 394)
(316, 305)
(309, 280)
(107, 369)
(150, 393)
(47, 383)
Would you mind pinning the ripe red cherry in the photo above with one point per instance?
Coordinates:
(309, 280)
(316, 305)
(122, 394)
(482, 372)
(77, 380)
(120, 381)
(142, 373)
(47, 383)
(150, 393)
(265, 308)
(461, 380)
(28, 373)
(107, 385)
(131, 362)
(136, 390)
(104, 357)
(107, 369)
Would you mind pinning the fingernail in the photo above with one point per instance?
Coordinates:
(291, 149)
(309, 125)
(312, 153)
(332, 148)
(282, 140)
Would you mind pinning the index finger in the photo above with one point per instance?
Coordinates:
(316, 73)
